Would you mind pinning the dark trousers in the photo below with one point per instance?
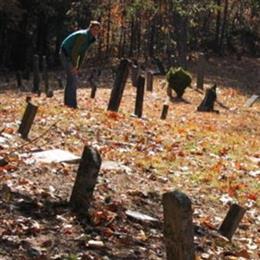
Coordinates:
(70, 92)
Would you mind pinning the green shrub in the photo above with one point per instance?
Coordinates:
(178, 80)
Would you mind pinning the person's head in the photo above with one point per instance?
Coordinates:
(94, 28)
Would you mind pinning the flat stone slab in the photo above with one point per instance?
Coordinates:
(251, 101)
(140, 217)
(115, 166)
(55, 156)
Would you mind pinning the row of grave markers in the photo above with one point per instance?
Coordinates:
(177, 208)
(178, 227)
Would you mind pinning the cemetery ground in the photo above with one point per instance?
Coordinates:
(213, 158)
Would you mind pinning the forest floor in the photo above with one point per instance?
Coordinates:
(213, 158)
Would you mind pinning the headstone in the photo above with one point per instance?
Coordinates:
(251, 101)
(119, 86)
(135, 72)
(207, 104)
(164, 111)
(178, 227)
(149, 80)
(139, 97)
(231, 221)
(86, 180)
(27, 120)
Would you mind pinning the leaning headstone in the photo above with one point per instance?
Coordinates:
(164, 111)
(207, 104)
(27, 120)
(139, 97)
(119, 86)
(231, 221)
(149, 80)
(135, 72)
(86, 180)
(36, 74)
(201, 70)
(251, 101)
(178, 227)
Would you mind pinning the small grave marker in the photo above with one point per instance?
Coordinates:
(135, 72)
(139, 97)
(86, 180)
(231, 221)
(27, 120)
(251, 101)
(149, 80)
(178, 227)
(119, 86)
(164, 111)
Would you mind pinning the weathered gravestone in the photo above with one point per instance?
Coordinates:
(139, 97)
(119, 86)
(27, 120)
(135, 73)
(251, 101)
(178, 227)
(165, 111)
(207, 104)
(86, 180)
(231, 221)
(149, 80)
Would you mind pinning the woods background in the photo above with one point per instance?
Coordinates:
(168, 29)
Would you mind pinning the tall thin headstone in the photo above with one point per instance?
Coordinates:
(119, 86)
(27, 120)
(231, 221)
(178, 227)
(135, 72)
(149, 80)
(86, 180)
(164, 111)
(139, 96)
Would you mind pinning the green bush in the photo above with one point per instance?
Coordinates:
(178, 80)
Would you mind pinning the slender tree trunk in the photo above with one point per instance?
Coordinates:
(218, 3)
(223, 28)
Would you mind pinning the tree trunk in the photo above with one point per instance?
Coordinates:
(223, 28)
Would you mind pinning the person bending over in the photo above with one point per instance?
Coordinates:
(72, 53)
